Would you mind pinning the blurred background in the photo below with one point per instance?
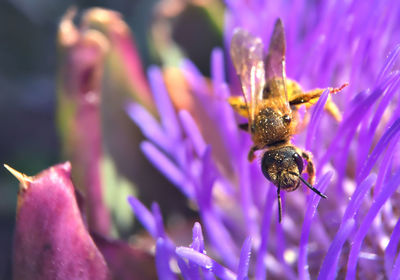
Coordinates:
(28, 61)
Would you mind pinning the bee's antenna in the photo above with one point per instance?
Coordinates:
(308, 185)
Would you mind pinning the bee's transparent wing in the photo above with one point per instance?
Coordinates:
(247, 53)
(275, 74)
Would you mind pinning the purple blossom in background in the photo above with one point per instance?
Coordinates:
(355, 233)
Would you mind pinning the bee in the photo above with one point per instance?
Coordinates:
(270, 102)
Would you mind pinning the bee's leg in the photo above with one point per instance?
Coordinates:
(311, 173)
(251, 156)
(279, 204)
(239, 105)
(330, 107)
(244, 126)
(310, 167)
(333, 110)
(311, 97)
(307, 96)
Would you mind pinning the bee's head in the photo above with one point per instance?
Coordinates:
(283, 167)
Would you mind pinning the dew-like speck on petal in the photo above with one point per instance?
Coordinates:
(290, 256)
(205, 262)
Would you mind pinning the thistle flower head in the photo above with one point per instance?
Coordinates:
(352, 233)
(355, 231)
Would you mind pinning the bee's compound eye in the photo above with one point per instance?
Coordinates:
(287, 119)
(266, 162)
(299, 162)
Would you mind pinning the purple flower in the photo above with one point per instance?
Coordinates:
(355, 232)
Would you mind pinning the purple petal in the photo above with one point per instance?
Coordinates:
(194, 77)
(245, 197)
(244, 260)
(198, 235)
(385, 166)
(193, 132)
(169, 169)
(391, 91)
(163, 256)
(145, 216)
(348, 129)
(309, 215)
(148, 125)
(159, 225)
(185, 271)
(388, 190)
(164, 105)
(368, 131)
(281, 248)
(316, 120)
(388, 64)
(378, 150)
(198, 245)
(205, 262)
(265, 225)
(391, 249)
(396, 269)
(358, 197)
(227, 122)
(349, 124)
(208, 177)
(329, 266)
(217, 231)
(217, 67)
(208, 275)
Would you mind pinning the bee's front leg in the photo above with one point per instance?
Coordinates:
(251, 156)
(310, 167)
(311, 172)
